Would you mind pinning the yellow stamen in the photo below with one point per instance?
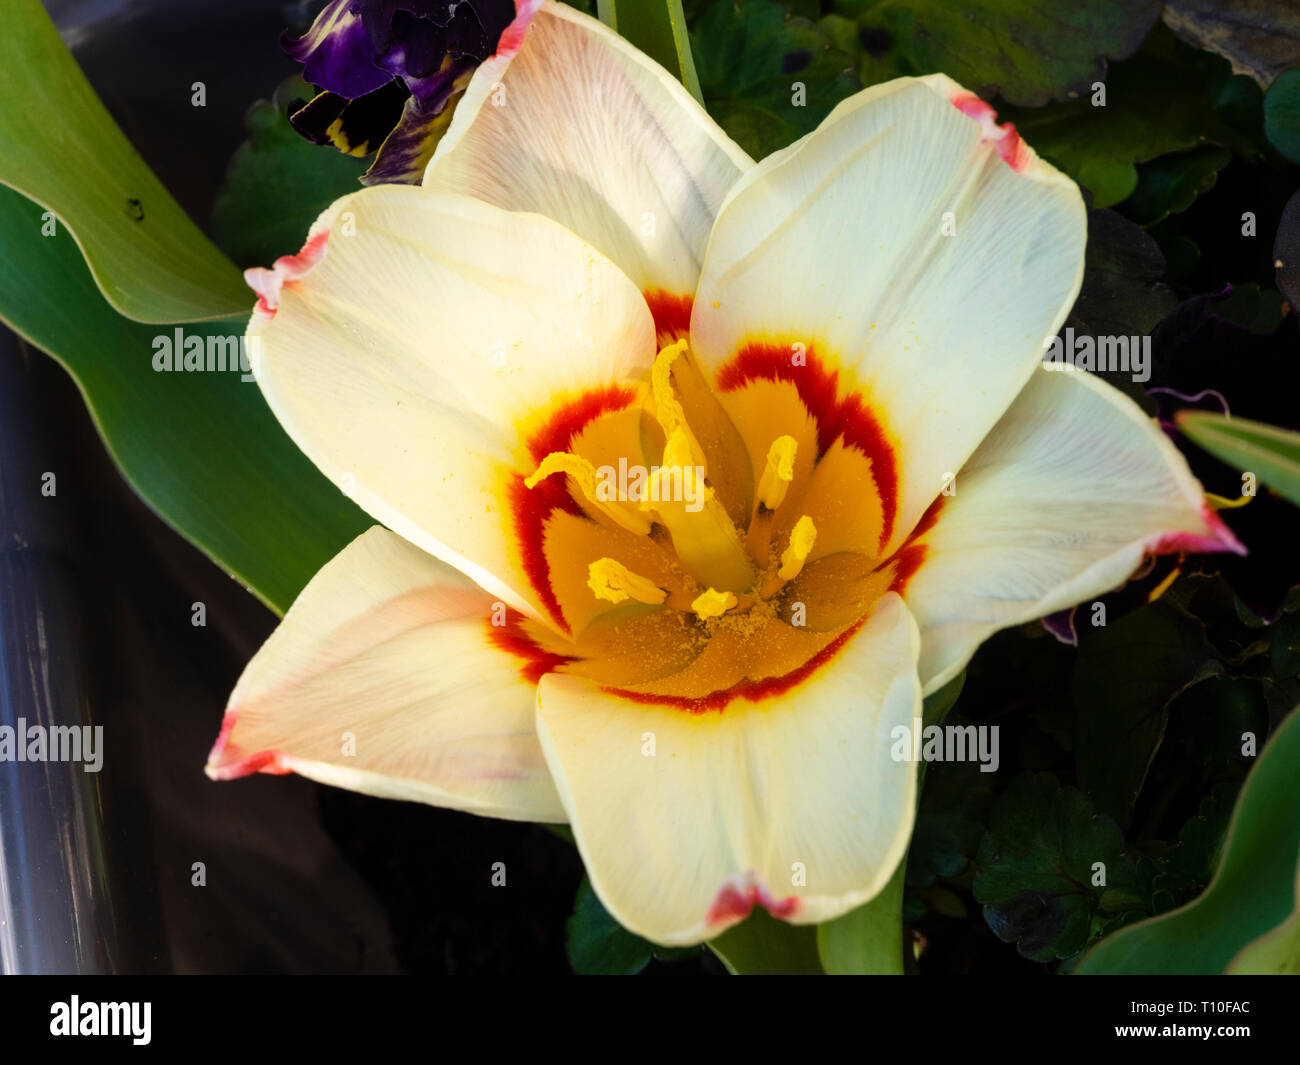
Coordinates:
(778, 473)
(613, 581)
(713, 604)
(802, 537)
(667, 407)
(703, 535)
(1163, 586)
(1223, 503)
(584, 473)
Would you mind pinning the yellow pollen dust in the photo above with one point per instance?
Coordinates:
(584, 473)
(713, 604)
(802, 537)
(616, 583)
(778, 473)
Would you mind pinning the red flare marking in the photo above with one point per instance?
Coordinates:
(533, 506)
(284, 271)
(1004, 138)
(738, 896)
(512, 639)
(908, 558)
(672, 314)
(818, 389)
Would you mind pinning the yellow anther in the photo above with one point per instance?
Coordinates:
(613, 581)
(778, 473)
(802, 537)
(713, 604)
(584, 473)
(667, 407)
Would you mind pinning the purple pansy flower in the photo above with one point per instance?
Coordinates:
(404, 60)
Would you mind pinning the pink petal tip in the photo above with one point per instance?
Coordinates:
(1219, 539)
(288, 268)
(222, 767)
(738, 896)
(513, 35)
(1004, 138)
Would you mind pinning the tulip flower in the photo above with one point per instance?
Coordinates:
(694, 474)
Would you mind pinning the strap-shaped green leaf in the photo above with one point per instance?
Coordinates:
(1252, 895)
(658, 28)
(201, 448)
(1270, 453)
(60, 147)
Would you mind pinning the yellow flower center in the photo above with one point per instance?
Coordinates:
(702, 541)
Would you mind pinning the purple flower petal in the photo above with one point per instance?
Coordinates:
(407, 150)
(337, 54)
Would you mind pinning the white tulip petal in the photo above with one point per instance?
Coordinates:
(385, 678)
(1074, 486)
(580, 126)
(898, 253)
(789, 798)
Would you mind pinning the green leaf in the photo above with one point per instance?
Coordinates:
(1282, 115)
(201, 449)
(938, 703)
(1275, 953)
(1260, 37)
(1285, 650)
(867, 941)
(767, 78)
(599, 946)
(276, 185)
(1272, 454)
(1122, 293)
(761, 945)
(1190, 865)
(1168, 98)
(1253, 891)
(60, 147)
(1257, 309)
(1170, 184)
(658, 28)
(1028, 51)
(950, 819)
(1125, 675)
(1038, 863)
